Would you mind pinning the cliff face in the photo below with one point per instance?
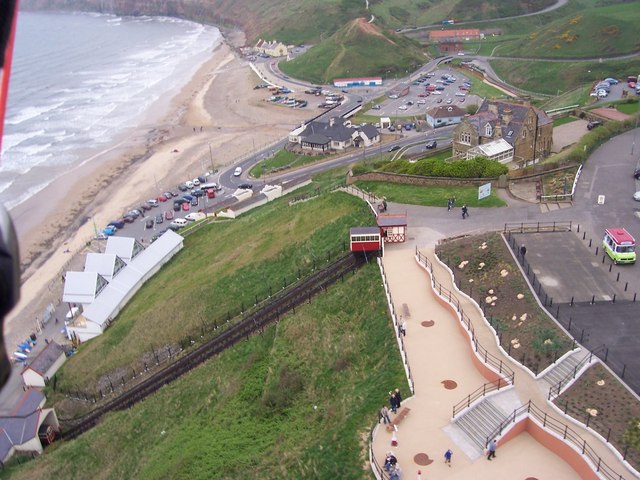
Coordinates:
(224, 13)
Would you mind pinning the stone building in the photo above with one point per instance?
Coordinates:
(500, 126)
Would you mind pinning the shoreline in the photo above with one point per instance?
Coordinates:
(219, 98)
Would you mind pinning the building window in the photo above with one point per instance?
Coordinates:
(524, 133)
(487, 130)
(465, 137)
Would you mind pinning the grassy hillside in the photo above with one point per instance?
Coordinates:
(595, 31)
(221, 267)
(558, 77)
(357, 49)
(294, 402)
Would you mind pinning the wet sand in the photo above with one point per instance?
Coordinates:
(217, 109)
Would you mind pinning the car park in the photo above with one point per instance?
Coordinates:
(149, 223)
(245, 186)
(431, 144)
(237, 172)
(593, 124)
(117, 223)
(159, 218)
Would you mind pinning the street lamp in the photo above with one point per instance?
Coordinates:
(211, 158)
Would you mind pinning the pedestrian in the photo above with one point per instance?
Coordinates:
(465, 212)
(393, 402)
(384, 415)
(403, 329)
(390, 461)
(492, 449)
(523, 250)
(56, 320)
(384, 204)
(398, 397)
(449, 205)
(395, 472)
(447, 457)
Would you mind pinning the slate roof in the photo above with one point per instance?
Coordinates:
(45, 359)
(364, 231)
(370, 131)
(446, 111)
(22, 425)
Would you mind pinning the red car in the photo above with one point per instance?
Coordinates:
(162, 198)
(186, 207)
(422, 94)
(168, 215)
(211, 193)
(128, 219)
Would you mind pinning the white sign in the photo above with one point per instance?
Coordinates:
(484, 191)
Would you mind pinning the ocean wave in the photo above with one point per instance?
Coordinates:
(26, 195)
(13, 140)
(28, 113)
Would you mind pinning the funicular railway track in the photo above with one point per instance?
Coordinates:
(280, 304)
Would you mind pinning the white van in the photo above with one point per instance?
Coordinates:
(179, 222)
(237, 172)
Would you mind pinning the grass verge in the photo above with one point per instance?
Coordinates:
(282, 160)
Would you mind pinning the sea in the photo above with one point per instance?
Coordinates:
(80, 81)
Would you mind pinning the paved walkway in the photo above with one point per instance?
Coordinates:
(438, 351)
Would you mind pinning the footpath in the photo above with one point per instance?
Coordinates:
(441, 362)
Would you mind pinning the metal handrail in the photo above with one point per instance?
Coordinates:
(538, 227)
(554, 390)
(481, 392)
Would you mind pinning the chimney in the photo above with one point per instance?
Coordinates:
(497, 131)
(332, 121)
(493, 108)
(507, 115)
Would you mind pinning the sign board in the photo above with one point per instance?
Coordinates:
(600, 199)
(484, 191)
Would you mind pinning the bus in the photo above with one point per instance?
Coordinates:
(619, 245)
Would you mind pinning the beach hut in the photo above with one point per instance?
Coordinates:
(44, 366)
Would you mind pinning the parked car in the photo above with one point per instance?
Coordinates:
(153, 202)
(149, 223)
(109, 230)
(128, 219)
(194, 202)
(421, 102)
(245, 186)
(196, 182)
(187, 198)
(237, 172)
(162, 198)
(593, 124)
(394, 148)
(159, 218)
(182, 187)
(168, 194)
(186, 207)
(636, 174)
(134, 213)
(636, 196)
(376, 107)
(402, 107)
(168, 215)
(197, 193)
(202, 179)
(211, 193)
(177, 206)
(431, 144)
(194, 216)
(117, 223)
(189, 184)
(144, 207)
(178, 222)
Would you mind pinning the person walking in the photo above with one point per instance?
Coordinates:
(403, 329)
(523, 250)
(447, 456)
(449, 204)
(393, 402)
(492, 449)
(465, 212)
(398, 397)
(384, 414)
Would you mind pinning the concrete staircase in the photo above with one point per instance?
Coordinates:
(481, 420)
(564, 369)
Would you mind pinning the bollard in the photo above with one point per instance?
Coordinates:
(590, 246)
(610, 266)
(584, 235)
(593, 299)
(571, 304)
(625, 286)
(569, 326)
(557, 311)
(614, 298)
(603, 259)
(618, 277)
(634, 297)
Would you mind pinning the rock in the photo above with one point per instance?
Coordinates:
(600, 383)
(488, 300)
(523, 317)
(503, 273)
(520, 296)
(514, 318)
(491, 292)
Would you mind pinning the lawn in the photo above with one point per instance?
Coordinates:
(294, 402)
(282, 160)
(213, 278)
(431, 195)
(630, 108)
(563, 120)
(484, 269)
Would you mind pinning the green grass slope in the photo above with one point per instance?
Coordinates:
(221, 267)
(294, 402)
(356, 50)
(597, 31)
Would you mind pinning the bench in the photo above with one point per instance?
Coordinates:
(404, 411)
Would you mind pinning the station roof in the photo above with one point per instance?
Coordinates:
(392, 220)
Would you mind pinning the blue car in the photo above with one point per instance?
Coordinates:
(109, 230)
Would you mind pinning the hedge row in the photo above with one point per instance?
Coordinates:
(479, 167)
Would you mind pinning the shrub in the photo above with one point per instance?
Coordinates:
(479, 167)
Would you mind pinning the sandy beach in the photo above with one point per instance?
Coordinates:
(217, 109)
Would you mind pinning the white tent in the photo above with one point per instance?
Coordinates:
(99, 315)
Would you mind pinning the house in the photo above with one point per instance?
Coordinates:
(444, 115)
(455, 35)
(520, 127)
(273, 48)
(28, 427)
(337, 134)
(44, 366)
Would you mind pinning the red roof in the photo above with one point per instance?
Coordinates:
(359, 79)
(392, 220)
(621, 236)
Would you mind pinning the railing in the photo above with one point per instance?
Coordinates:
(378, 470)
(555, 390)
(537, 227)
(563, 430)
(481, 392)
(487, 357)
